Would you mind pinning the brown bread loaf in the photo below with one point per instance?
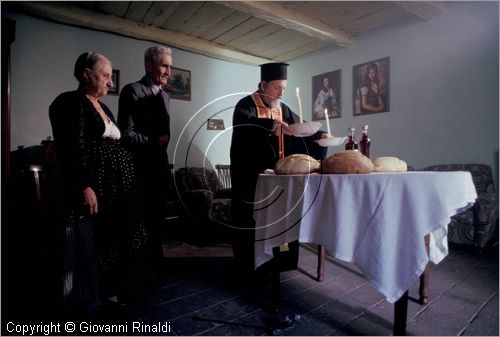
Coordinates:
(348, 161)
(296, 164)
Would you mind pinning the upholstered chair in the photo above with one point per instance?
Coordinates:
(207, 204)
(478, 225)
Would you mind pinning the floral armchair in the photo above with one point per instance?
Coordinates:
(478, 225)
(207, 204)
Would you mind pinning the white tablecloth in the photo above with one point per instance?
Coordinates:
(376, 221)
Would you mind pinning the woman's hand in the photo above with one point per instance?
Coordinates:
(90, 200)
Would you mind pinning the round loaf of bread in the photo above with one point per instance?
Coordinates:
(296, 164)
(389, 164)
(348, 161)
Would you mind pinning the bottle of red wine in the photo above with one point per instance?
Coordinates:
(365, 142)
(351, 143)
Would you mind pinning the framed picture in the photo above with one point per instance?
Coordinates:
(115, 77)
(370, 83)
(326, 95)
(179, 84)
(215, 124)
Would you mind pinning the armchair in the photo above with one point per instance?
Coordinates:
(477, 225)
(224, 174)
(207, 204)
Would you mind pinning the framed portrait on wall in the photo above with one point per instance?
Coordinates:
(370, 83)
(115, 77)
(179, 84)
(326, 95)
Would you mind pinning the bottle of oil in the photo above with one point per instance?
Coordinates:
(365, 142)
(351, 143)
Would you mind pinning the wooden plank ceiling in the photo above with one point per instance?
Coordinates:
(249, 32)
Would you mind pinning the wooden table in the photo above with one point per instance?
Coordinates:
(376, 221)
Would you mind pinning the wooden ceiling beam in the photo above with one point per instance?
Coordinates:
(423, 9)
(275, 12)
(70, 14)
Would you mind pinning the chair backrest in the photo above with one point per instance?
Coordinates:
(194, 178)
(481, 174)
(224, 174)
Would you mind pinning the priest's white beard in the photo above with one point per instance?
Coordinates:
(271, 101)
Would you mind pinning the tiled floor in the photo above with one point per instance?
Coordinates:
(198, 294)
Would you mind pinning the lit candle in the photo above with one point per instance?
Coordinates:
(300, 105)
(327, 123)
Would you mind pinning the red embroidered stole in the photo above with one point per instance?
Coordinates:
(274, 113)
(263, 111)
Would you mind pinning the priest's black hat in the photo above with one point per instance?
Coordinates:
(273, 71)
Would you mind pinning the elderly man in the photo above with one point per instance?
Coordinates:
(143, 117)
(257, 121)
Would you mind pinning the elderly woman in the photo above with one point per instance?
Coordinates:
(104, 239)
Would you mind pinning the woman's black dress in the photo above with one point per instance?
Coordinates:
(104, 255)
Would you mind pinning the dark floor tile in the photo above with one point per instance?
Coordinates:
(309, 300)
(200, 321)
(486, 321)
(463, 299)
(257, 323)
(177, 308)
(337, 313)
(188, 326)
(385, 311)
(220, 293)
(448, 315)
(366, 296)
(370, 324)
(298, 285)
(344, 284)
(307, 326)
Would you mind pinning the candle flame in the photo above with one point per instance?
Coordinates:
(301, 118)
(327, 123)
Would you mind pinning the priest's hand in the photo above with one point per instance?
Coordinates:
(278, 125)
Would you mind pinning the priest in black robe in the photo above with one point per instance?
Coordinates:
(259, 120)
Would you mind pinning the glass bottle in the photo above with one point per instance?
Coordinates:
(364, 143)
(351, 143)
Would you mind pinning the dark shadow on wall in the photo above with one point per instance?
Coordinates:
(496, 169)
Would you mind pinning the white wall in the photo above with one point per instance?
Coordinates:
(43, 57)
(443, 82)
(443, 87)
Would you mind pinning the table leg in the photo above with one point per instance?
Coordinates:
(400, 312)
(321, 263)
(275, 280)
(423, 291)
(279, 324)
